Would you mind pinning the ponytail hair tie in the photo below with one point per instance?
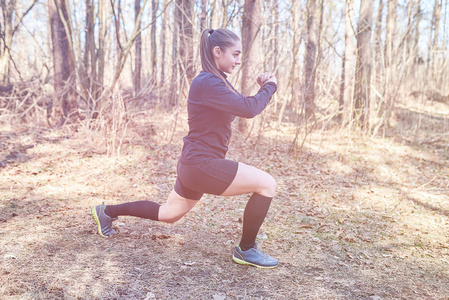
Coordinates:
(211, 31)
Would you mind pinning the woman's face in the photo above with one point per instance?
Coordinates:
(228, 58)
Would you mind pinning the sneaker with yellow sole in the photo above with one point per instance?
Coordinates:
(104, 222)
(254, 257)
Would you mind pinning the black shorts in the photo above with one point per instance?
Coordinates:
(209, 177)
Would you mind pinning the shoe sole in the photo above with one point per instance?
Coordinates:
(94, 214)
(242, 262)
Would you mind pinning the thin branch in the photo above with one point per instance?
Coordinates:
(23, 16)
(116, 23)
(125, 50)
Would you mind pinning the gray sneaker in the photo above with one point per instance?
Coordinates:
(254, 257)
(104, 222)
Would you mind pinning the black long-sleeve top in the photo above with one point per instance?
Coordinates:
(211, 108)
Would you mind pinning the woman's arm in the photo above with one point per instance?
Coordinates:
(215, 94)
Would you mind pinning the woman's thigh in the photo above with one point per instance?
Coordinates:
(251, 180)
(211, 177)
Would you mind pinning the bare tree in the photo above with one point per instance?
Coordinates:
(63, 59)
(274, 44)
(378, 53)
(391, 27)
(8, 28)
(251, 44)
(387, 102)
(8, 8)
(293, 73)
(138, 49)
(163, 44)
(413, 45)
(173, 99)
(313, 37)
(275, 39)
(433, 51)
(154, 8)
(102, 31)
(89, 67)
(443, 78)
(186, 37)
(117, 14)
(203, 18)
(378, 70)
(213, 13)
(399, 65)
(363, 65)
(347, 64)
(416, 30)
(125, 49)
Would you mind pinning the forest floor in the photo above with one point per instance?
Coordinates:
(354, 217)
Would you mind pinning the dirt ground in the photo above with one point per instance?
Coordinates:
(354, 217)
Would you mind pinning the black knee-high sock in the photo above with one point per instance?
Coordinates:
(255, 212)
(141, 209)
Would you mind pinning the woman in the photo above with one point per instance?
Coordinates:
(212, 105)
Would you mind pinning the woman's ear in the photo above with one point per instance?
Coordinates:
(216, 51)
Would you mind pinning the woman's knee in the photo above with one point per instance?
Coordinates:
(171, 215)
(269, 186)
(251, 180)
(175, 208)
(173, 219)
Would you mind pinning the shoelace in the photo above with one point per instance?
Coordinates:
(257, 250)
(106, 231)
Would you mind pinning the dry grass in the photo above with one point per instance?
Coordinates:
(354, 218)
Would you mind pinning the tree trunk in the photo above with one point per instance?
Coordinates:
(64, 64)
(443, 65)
(418, 17)
(117, 26)
(407, 45)
(175, 60)
(276, 39)
(251, 44)
(391, 27)
(163, 44)
(154, 8)
(6, 35)
(102, 30)
(90, 61)
(418, 61)
(123, 50)
(275, 44)
(203, 19)
(310, 58)
(9, 25)
(378, 36)
(213, 13)
(186, 38)
(436, 32)
(225, 12)
(378, 53)
(293, 76)
(387, 102)
(347, 65)
(363, 66)
(138, 49)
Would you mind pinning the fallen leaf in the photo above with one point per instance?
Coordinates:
(305, 226)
